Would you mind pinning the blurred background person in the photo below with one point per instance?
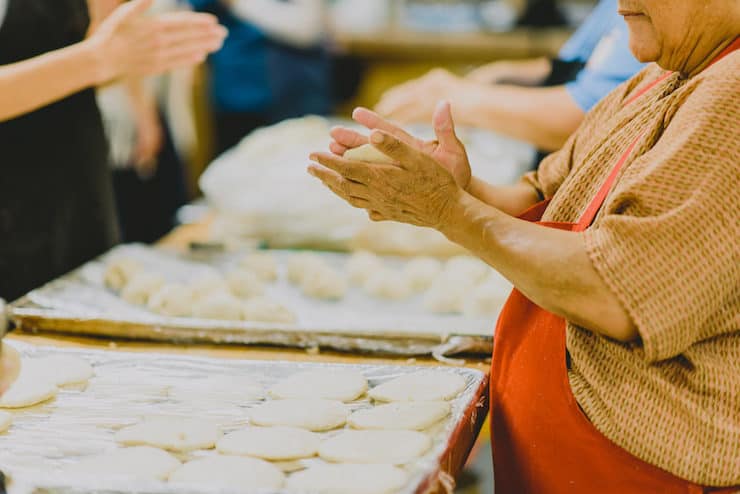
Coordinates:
(541, 101)
(272, 66)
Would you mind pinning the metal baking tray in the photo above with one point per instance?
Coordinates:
(79, 303)
(81, 422)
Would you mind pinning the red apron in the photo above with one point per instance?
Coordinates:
(542, 441)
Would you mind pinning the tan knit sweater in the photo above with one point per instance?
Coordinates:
(667, 242)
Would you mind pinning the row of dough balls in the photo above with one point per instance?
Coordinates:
(235, 297)
(238, 472)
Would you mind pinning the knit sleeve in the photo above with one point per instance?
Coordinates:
(667, 243)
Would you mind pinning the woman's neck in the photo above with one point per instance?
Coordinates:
(702, 58)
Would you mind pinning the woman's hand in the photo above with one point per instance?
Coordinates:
(417, 190)
(415, 100)
(130, 43)
(447, 149)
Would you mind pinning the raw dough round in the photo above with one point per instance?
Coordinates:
(262, 264)
(348, 479)
(171, 433)
(208, 284)
(369, 154)
(300, 265)
(236, 472)
(271, 443)
(375, 446)
(60, 369)
(314, 415)
(218, 305)
(141, 462)
(447, 295)
(421, 272)
(141, 286)
(387, 284)
(173, 300)
(420, 386)
(324, 283)
(410, 415)
(119, 271)
(341, 385)
(469, 268)
(29, 389)
(245, 284)
(263, 309)
(361, 265)
(237, 389)
(488, 298)
(6, 419)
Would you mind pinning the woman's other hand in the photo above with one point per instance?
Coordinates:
(447, 149)
(131, 43)
(415, 100)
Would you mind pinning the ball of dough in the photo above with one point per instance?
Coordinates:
(173, 300)
(231, 472)
(342, 385)
(343, 479)
(300, 265)
(271, 443)
(447, 294)
(262, 309)
(171, 433)
(488, 298)
(420, 386)
(219, 305)
(119, 271)
(262, 264)
(411, 415)
(324, 283)
(313, 415)
(361, 265)
(141, 463)
(389, 285)
(469, 268)
(421, 272)
(138, 290)
(59, 369)
(369, 154)
(208, 284)
(393, 447)
(245, 284)
(6, 420)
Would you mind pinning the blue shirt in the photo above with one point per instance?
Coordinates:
(253, 73)
(602, 42)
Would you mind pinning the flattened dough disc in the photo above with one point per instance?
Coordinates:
(409, 415)
(60, 369)
(270, 443)
(171, 433)
(348, 479)
(28, 390)
(342, 385)
(314, 415)
(230, 471)
(420, 386)
(6, 419)
(375, 446)
(141, 462)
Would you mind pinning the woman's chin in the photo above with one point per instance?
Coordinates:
(643, 43)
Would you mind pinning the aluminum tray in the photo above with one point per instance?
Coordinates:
(82, 421)
(79, 303)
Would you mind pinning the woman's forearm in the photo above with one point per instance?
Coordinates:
(31, 84)
(511, 199)
(550, 267)
(546, 117)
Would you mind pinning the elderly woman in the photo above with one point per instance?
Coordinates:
(616, 364)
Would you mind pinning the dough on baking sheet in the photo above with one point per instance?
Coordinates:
(369, 154)
(119, 271)
(324, 283)
(219, 305)
(314, 415)
(300, 265)
(348, 479)
(140, 462)
(140, 287)
(469, 268)
(420, 386)
(237, 389)
(60, 369)
(27, 390)
(170, 433)
(263, 309)
(389, 285)
(488, 298)
(341, 385)
(207, 284)
(261, 264)
(173, 300)
(361, 265)
(420, 272)
(245, 284)
(236, 472)
(271, 443)
(6, 419)
(408, 415)
(375, 446)
(447, 294)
